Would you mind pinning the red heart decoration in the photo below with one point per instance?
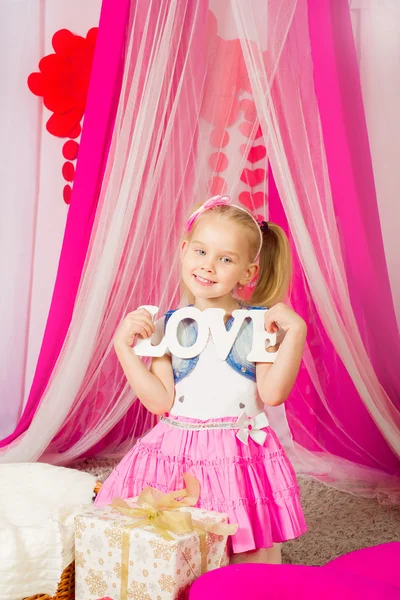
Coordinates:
(76, 132)
(68, 171)
(70, 150)
(248, 128)
(91, 35)
(255, 153)
(36, 84)
(64, 125)
(252, 201)
(67, 191)
(258, 132)
(252, 178)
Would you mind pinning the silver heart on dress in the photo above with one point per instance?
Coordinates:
(241, 405)
(181, 398)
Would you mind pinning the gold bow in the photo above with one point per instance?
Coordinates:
(161, 512)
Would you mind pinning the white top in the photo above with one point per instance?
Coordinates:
(214, 390)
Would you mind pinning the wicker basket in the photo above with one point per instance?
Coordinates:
(66, 587)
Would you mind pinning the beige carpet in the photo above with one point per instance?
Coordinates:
(337, 522)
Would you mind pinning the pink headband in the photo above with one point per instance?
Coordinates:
(220, 201)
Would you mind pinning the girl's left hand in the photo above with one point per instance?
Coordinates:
(283, 317)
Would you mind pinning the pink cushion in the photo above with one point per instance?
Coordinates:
(364, 578)
(379, 562)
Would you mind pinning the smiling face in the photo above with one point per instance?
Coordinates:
(215, 258)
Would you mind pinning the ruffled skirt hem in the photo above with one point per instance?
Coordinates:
(255, 485)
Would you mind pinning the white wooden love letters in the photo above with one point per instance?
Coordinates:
(210, 320)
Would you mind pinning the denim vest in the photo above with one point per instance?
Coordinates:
(187, 335)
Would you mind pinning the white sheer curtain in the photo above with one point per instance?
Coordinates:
(21, 42)
(149, 179)
(32, 211)
(170, 107)
(376, 26)
(52, 212)
(288, 112)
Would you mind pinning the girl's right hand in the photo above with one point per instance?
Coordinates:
(138, 322)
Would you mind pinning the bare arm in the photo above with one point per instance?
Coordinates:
(154, 388)
(275, 380)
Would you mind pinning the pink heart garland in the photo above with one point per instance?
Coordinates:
(249, 109)
(252, 201)
(217, 185)
(218, 162)
(252, 178)
(255, 154)
(247, 129)
(219, 138)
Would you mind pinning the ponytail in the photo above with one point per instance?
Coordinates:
(275, 273)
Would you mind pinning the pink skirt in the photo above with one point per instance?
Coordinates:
(255, 485)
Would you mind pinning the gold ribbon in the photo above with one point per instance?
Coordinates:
(161, 512)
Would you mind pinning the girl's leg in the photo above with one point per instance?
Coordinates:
(270, 556)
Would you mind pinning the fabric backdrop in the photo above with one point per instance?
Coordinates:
(227, 96)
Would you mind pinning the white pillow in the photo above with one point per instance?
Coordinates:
(38, 503)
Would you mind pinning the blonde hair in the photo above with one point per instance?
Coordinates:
(275, 274)
(275, 259)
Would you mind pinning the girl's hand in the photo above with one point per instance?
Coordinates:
(283, 317)
(138, 322)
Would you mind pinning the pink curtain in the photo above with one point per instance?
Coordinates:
(131, 258)
(337, 85)
(140, 273)
(98, 126)
(336, 408)
(343, 427)
(199, 78)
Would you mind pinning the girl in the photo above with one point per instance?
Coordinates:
(201, 398)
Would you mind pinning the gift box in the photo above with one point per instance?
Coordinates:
(148, 548)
